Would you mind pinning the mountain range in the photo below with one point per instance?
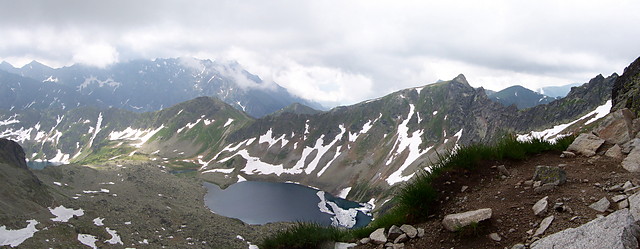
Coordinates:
(363, 150)
(141, 86)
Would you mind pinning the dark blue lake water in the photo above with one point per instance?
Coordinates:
(40, 165)
(264, 202)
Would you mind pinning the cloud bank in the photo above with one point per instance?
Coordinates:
(338, 52)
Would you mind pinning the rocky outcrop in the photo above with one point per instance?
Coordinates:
(626, 89)
(453, 222)
(617, 230)
(12, 153)
(616, 127)
(586, 144)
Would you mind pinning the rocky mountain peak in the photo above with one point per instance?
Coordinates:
(460, 79)
(626, 89)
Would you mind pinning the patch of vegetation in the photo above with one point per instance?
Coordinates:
(416, 200)
(303, 235)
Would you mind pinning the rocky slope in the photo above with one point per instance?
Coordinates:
(626, 90)
(136, 205)
(547, 201)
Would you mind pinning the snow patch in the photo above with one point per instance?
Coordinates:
(115, 238)
(14, 238)
(229, 121)
(98, 221)
(343, 193)
(406, 141)
(88, 240)
(64, 214)
(599, 112)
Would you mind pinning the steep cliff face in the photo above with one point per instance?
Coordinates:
(21, 192)
(626, 90)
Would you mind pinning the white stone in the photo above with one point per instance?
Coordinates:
(453, 222)
(541, 206)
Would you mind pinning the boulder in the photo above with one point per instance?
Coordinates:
(453, 222)
(568, 154)
(586, 144)
(364, 241)
(601, 205)
(618, 198)
(411, 231)
(634, 206)
(616, 127)
(420, 232)
(623, 204)
(541, 206)
(549, 174)
(378, 237)
(394, 232)
(544, 224)
(617, 230)
(614, 152)
(632, 162)
(401, 239)
(628, 146)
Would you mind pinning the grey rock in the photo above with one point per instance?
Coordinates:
(601, 205)
(378, 237)
(629, 146)
(364, 241)
(411, 231)
(632, 190)
(586, 144)
(342, 245)
(453, 222)
(503, 170)
(495, 237)
(464, 188)
(546, 222)
(394, 232)
(634, 206)
(397, 246)
(623, 204)
(568, 154)
(616, 231)
(420, 232)
(618, 198)
(616, 127)
(544, 188)
(627, 185)
(632, 162)
(614, 188)
(401, 239)
(541, 206)
(614, 152)
(537, 184)
(549, 174)
(518, 246)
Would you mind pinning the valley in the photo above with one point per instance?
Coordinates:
(143, 172)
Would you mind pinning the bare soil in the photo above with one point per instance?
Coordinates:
(511, 200)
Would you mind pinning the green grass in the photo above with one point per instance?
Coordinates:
(303, 235)
(416, 200)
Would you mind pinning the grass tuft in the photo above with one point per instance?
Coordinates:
(303, 235)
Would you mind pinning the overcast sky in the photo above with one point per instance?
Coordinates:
(338, 52)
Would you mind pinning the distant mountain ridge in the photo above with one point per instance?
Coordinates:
(144, 85)
(520, 96)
